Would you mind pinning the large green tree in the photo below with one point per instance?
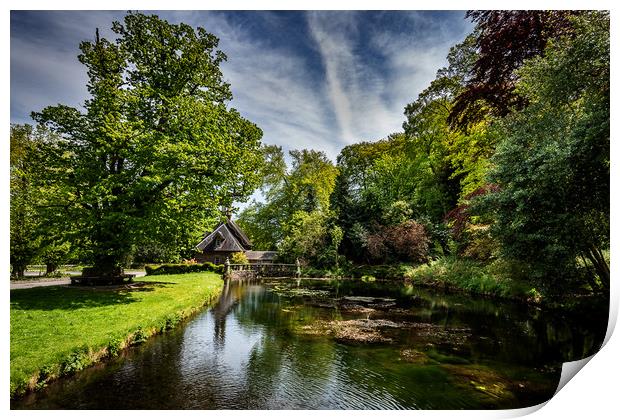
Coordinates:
(552, 165)
(155, 149)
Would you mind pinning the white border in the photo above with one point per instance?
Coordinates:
(592, 394)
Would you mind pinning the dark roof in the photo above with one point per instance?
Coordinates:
(241, 236)
(261, 255)
(232, 239)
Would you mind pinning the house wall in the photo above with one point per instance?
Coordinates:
(215, 257)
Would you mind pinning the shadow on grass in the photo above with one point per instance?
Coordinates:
(79, 297)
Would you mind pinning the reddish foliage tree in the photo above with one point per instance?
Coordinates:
(407, 241)
(505, 39)
(459, 216)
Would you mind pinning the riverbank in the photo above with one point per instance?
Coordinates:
(494, 280)
(58, 330)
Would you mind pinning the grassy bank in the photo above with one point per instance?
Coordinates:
(56, 331)
(473, 277)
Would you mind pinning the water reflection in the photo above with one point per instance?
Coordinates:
(304, 344)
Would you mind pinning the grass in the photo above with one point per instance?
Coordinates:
(473, 277)
(58, 330)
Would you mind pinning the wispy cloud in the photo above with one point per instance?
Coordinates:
(351, 84)
(371, 73)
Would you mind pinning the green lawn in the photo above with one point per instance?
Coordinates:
(57, 330)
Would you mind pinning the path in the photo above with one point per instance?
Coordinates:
(61, 281)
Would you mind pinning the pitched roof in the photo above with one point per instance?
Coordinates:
(232, 239)
(241, 236)
(261, 255)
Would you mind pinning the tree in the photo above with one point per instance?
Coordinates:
(504, 40)
(24, 218)
(156, 150)
(311, 238)
(372, 176)
(306, 186)
(552, 165)
(239, 258)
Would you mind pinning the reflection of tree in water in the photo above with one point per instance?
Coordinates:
(285, 370)
(281, 361)
(229, 298)
(284, 366)
(502, 331)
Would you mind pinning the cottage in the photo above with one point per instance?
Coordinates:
(226, 239)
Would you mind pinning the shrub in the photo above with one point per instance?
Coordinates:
(239, 258)
(170, 322)
(115, 346)
(139, 336)
(183, 268)
(407, 241)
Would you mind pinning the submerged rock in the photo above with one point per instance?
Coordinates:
(483, 380)
(354, 330)
(414, 356)
(355, 308)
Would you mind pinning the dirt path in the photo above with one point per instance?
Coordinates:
(42, 282)
(28, 284)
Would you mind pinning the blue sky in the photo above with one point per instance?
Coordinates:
(318, 80)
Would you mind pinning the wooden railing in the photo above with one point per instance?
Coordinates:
(262, 269)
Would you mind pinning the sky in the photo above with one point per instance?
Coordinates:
(318, 80)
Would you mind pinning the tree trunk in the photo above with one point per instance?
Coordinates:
(600, 265)
(50, 268)
(592, 277)
(18, 270)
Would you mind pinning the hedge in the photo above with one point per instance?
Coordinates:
(183, 268)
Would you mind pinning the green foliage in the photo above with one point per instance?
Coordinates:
(171, 322)
(311, 239)
(239, 258)
(183, 269)
(55, 254)
(149, 250)
(296, 219)
(45, 375)
(373, 187)
(77, 360)
(154, 140)
(552, 164)
(470, 276)
(115, 346)
(139, 336)
(25, 197)
(384, 272)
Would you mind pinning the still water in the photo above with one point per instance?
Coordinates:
(289, 344)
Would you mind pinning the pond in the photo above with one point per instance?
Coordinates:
(317, 344)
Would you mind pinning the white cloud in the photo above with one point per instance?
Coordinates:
(369, 100)
(273, 86)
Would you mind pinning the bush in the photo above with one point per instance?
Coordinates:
(407, 241)
(183, 268)
(239, 258)
(385, 272)
(115, 346)
(139, 336)
(76, 361)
